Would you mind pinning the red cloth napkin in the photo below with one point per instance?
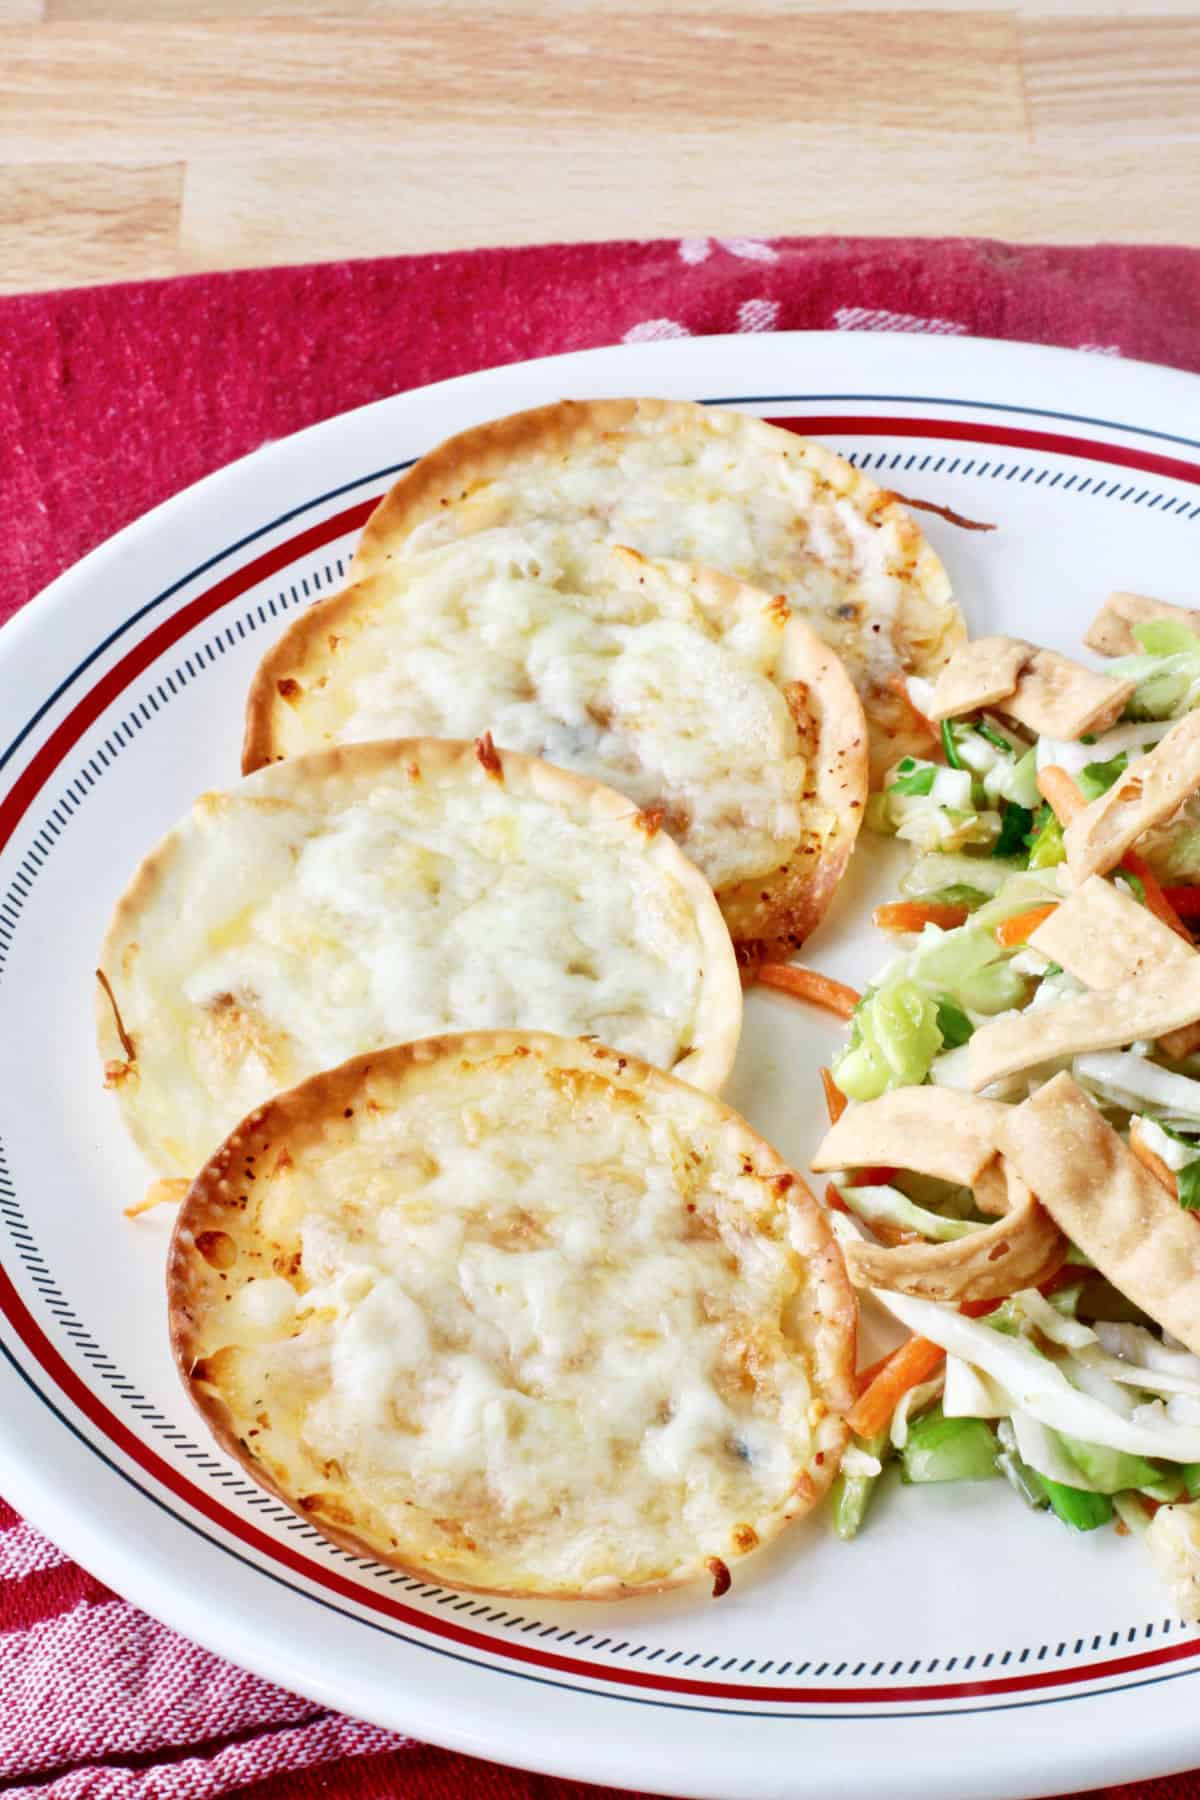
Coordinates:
(113, 398)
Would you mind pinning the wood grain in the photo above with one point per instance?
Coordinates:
(164, 10)
(426, 197)
(144, 136)
(76, 225)
(282, 85)
(1070, 79)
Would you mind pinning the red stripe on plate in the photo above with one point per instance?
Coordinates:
(210, 1508)
(1017, 437)
(12, 809)
(106, 690)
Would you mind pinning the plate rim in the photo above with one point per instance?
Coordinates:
(61, 592)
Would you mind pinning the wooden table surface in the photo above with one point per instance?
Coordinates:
(147, 137)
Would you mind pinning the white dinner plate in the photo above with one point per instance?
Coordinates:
(962, 1646)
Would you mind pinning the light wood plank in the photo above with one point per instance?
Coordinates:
(140, 136)
(71, 91)
(63, 225)
(194, 10)
(1127, 78)
(487, 188)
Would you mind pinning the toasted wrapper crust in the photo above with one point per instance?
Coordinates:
(707, 1063)
(315, 1115)
(474, 457)
(770, 916)
(1114, 1209)
(957, 1137)
(1111, 631)
(769, 919)
(1154, 787)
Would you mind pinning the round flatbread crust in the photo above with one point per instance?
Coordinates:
(770, 914)
(897, 620)
(562, 1489)
(202, 1058)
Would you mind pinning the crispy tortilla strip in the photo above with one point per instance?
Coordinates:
(1111, 631)
(1021, 1249)
(1040, 689)
(991, 1187)
(1164, 998)
(979, 674)
(1151, 790)
(1059, 698)
(1102, 937)
(1107, 1203)
(955, 1135)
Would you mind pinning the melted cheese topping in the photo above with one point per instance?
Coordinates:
(564, 1357)
(728, 500)
(598, 662)
(292, 927)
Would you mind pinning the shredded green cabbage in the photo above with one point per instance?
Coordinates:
(885, 1205)
(932, 875)
(1167, 674)
(894, 1038)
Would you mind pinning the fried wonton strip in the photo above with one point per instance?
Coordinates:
(1040, 689)
(1148, 792)
(1161, 1000)
(1061, 699)
(1101, 936)
(1111, 631)
(1021, 1249)
(1115, 1210)
(979, 674)
(953, 1134)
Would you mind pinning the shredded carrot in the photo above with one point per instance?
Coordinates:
(807, 984)
(1183, 901)
(914, 915)
(1022, 925)
(1062, 792)
(833, 1198)
(865, 1377)
(906, 1368)
(1156, 899)
(835, 1100)
(899, 686)
(1150, 1159)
